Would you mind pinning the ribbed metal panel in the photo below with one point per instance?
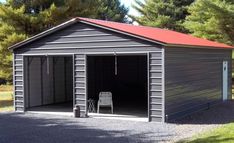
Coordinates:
(18, 83)
(193, 79)
(87, 39)
(80, 82)
(81, 40)
(44, 86)
(155, 87)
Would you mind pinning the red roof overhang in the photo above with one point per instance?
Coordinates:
(164, 36)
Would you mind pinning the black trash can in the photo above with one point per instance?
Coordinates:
(76, 111)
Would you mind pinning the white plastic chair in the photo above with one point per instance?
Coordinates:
(105, 100)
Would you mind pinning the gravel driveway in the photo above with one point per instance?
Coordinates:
(39, 128)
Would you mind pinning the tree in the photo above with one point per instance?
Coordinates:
(34, 16)
(10, 33)
(8, 36)
(212, 19)
(168, 14)
(20, 19)
(112, 10)
(34, 6)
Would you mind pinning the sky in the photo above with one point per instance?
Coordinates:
(127, 3)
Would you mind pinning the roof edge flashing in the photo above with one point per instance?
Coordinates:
(198, 46)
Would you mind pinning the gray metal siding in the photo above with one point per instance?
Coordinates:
(80, 83)
(18, 83)
(156, 86)
(193, 79)
(81, 40)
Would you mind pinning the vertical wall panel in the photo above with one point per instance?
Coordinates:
(193, 79)
(59, 79)
(155, 87)
(80, 78)
(35, 81)
(47, 81)
(69, 79)
(18, 82)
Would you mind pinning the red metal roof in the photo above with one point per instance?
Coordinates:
(156, 34)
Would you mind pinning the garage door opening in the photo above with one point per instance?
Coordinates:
(48, 84)
(125, 77)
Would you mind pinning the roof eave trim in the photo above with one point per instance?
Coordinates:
(42, 34)
(121, 32)
(197, 46)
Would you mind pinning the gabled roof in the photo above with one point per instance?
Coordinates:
(161, 36)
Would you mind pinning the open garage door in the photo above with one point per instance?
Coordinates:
(48, 83)
(125, 77)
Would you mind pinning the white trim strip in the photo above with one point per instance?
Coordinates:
(148, 85)
(163, 85)
(156, 97)
(156, 103)
(14, 85)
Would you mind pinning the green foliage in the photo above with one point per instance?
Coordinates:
(20, 19)
(222, 134)
(168, 14)
(8, 37)
(81, 8)
(6, 56)
(212, 19)
(112, 10)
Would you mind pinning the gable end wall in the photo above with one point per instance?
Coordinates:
(81, 40)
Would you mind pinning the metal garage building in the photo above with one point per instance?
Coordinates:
(165, 73)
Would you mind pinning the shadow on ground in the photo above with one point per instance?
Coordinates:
(18, 128)
(6, 103)
(210, 139)
(218, 114)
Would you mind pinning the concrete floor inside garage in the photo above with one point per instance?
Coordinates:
(64, 109)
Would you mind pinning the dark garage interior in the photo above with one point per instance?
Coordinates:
(125, 77)
(49, 83)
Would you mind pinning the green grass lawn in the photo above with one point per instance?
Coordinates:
(6, 101)
(223, 134)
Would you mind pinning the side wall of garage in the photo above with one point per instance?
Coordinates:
(81, 40)
(193, 79)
